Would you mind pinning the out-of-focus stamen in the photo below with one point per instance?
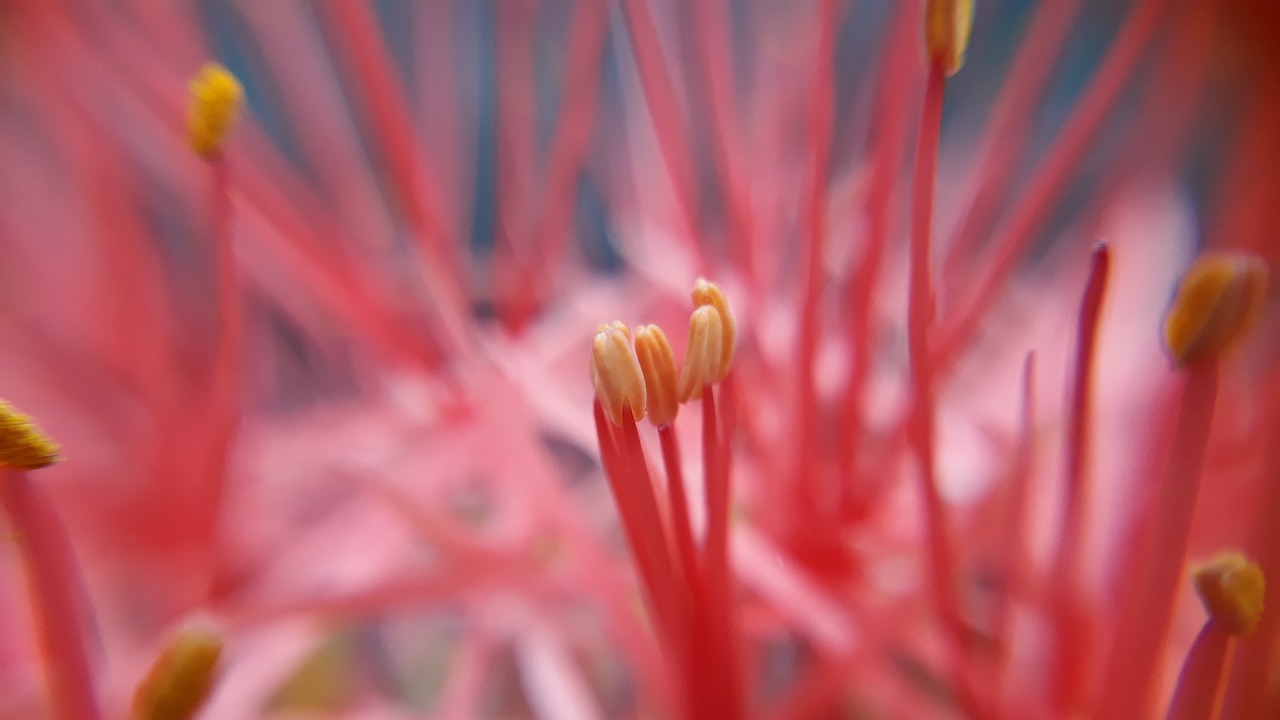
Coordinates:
(703, 356)
(658, 364)
(22, 445)
(1219, 300)
(216, 99)
(1232, 588)
(616, 373)
(180, 679)
(947, 24)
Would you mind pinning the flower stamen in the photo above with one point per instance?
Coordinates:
(615, 372)
(1232, 588)
(947, 24)
(180, 679)
(23, 446)
(704, 355)
(658, 365)
(216, 100)
(1218, 302)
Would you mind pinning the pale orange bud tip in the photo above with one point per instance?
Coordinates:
(1218, 302)
(658, 364)
(23, 446)
(179, 682)
(703, 355)
(708, 293)
(1232, 588)
(947, 24)
(215, 103)
(616, 374)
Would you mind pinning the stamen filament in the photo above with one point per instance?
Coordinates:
(1143, 623)
(54, 585)
(1073, 633)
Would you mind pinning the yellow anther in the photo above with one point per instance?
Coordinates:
(708, 293)
(658, 364)
(22, 445)
(947, 24)
(216, 99)
(615, 372)
(1219, 301)
(1232, 589)
(703, 356)
(180, 680)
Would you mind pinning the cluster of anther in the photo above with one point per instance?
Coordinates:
(639, 374)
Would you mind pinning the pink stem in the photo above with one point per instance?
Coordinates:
(1143, 624)
(53, 582)
(1198, 694)
(1073, 635)
(921, 429)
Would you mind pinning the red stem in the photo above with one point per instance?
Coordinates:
(1143, 624)
(664, 110)
(813, 229)
(1006, 132)
(721, 612)
(682, 525)
(893, 106)
(357, 28)
(919, 317)
(1069, 150)
(1073, 635)
(57, 604)
(1198, 694)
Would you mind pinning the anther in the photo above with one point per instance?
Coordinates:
(658, 364)
(704, 354)
(947, 24)
(214, 105)
(1232, 588)
(23, 446)
(615, 372)
(708, 293)
(1218, 302)
(180, 680)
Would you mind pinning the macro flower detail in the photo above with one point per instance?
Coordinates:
(1219, 301)
(948, 24)
(214, 106)
(1232, 589)
(946, 450)
(658, 364)
(181, 678)
(23, 446)
(616, 373)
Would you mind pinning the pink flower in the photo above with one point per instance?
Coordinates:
(319, 376)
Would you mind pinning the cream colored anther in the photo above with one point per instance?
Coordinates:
(616, 374)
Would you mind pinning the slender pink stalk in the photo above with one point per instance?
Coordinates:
(921, 428)
(1073, 633)
(356, 26)
(664, 110)
(1198, 694)
(721, 609)
(1054, 172)
(810, 526)
(889, 147)
(569, 144)
(1015, 561)
(1143, 623)
(53, 582)
(682, 526)
(1005, 134)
